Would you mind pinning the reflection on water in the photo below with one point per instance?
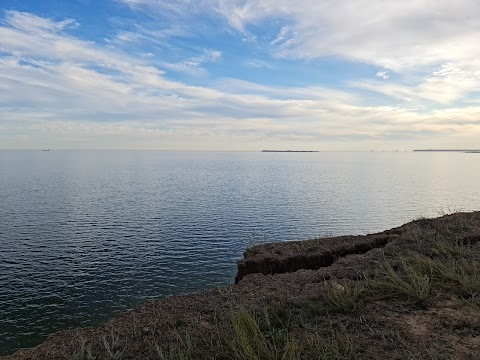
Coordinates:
(86, 234)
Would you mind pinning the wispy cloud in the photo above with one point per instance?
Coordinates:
(282, 36)
(81, 93)
(194, 65)
(445, 86)
(259, 64)
(408, 38)
(28, 22)
(383, 74)
(394, 35)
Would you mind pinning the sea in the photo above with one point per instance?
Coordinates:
(87, 234)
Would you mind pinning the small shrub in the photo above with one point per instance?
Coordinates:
(473, 301)
(252, 343)
(463, 273)
(84, 351)
(453, 246)
(173, 353)
(340, 345)
(415, 234)
(343, 297)
(408, 279)
(113, 346)
(249, 342)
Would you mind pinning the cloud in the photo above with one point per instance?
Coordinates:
(259, 64)
(148, 33)
(193, 65)
(383, 74)
(33, 37)
(29, 22)
(393, 35)
(404, 38)
(282, 35)
(445, 85)
(82, 94)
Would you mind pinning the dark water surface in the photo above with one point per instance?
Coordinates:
(84, 234)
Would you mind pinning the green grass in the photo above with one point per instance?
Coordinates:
(343, 296)
(438, 264)
(408, 279)
(452, 246)
(257, 339)
(265, 336)
(462, 274)
(340, 345)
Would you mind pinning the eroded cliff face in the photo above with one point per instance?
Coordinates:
(308, 255)
(285, 257)
(292, 281)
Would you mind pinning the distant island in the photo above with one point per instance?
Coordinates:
(291, 151)
(450, 150)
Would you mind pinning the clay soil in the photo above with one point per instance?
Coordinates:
(412, 292)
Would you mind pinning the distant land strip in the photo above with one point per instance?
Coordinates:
(291, 151)
(451, 150)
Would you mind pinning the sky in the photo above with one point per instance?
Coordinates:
(240, 75)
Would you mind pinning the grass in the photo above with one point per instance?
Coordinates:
(408, 279)
(420, 277)
(343, 296)
(338, 346)
(113, 346)
(183, 351)
(462, 274)
(84, 351)
(435, 260)
(443, 246)
(256, 341)
(257, 336)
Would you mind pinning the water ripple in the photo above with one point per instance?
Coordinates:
(86, 234)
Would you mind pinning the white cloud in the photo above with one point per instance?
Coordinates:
(394, 35)
(444, 85)
(102, 97)
(150, 33)
(383, 74)
(282, 35)
(28, 22)
(406, 37)
(194, 65)
(259, 64)
(391, 34)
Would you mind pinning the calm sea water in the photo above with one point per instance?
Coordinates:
(85, 234)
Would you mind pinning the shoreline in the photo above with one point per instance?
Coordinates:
(354, 292)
